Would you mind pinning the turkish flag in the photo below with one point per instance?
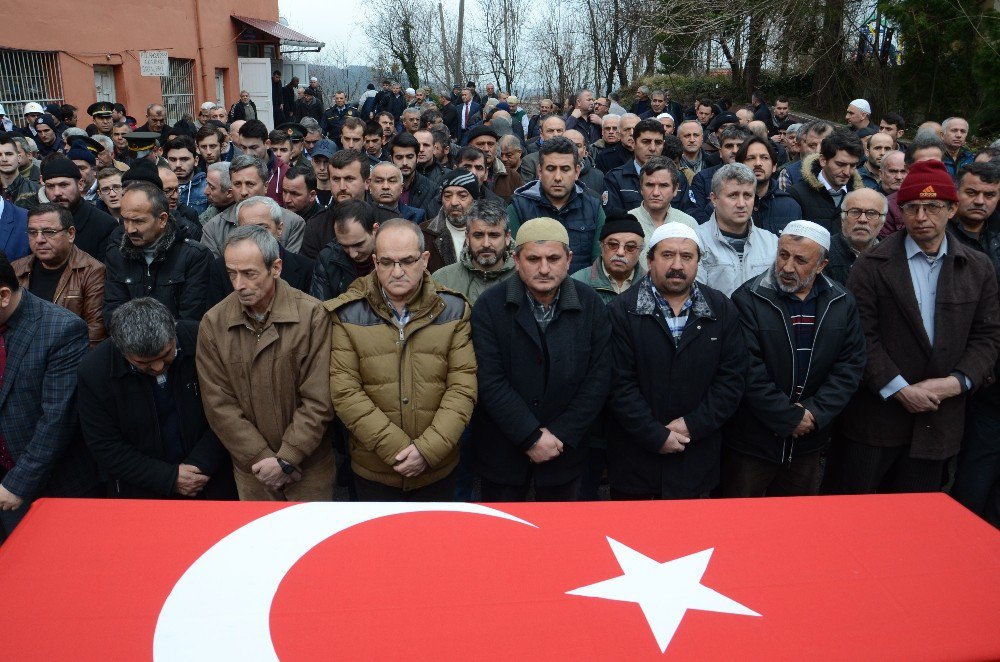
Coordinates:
(900, 577)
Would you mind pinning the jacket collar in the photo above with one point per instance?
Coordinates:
(283, 308)
(810, 174)
(568, 297)
(645, 303)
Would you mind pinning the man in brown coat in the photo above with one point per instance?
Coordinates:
(59, 272)
(928, 307)
(264, 370)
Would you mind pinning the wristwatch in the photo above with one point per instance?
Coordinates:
(287, 467)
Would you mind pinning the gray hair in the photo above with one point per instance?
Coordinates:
(732, 172)
(310, 124)
(265, 241)
(411, 111)
(244, 161)
(106, 142)
(487, 211)
(261, 200)
(73, 132)
(510, 143)
(141, 328)
(32, 145)
(21, 142)
(644, 89)
(948, 121)
(222, 167)
(855, 192)
(610, 117)
(403, 223)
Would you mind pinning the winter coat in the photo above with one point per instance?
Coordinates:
(966, 339)
(816, 203)
(702, 379)
(595, 276)
(581, 215)
(80, 289)
(120, 424)
(529, 380)
(178, 276)
(769, 412)
(722, 267)
(395, 386)
(333, 273)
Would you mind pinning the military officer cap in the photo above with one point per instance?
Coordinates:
(101, 109)
(89, 143)
(141, 143)
(295, 131)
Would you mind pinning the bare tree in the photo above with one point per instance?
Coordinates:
(402, 28)
(501, 41)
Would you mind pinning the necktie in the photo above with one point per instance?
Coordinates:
(465, 120)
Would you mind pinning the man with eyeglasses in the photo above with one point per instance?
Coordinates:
(63, 185)
(618, 265)
(861, 217)
(928, 307)
(58, 271)
(109, 189)
(403, 372)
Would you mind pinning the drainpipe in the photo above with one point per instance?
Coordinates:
(201, 54)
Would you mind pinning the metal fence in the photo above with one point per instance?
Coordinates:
(28, 76)
(178, 89)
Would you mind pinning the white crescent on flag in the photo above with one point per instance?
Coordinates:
(220, 608)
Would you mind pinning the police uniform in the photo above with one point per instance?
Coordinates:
(332, 121)
(102, 109)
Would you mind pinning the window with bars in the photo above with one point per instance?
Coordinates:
(178, 89)
(28, 76)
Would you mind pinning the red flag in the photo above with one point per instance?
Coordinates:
(909, 577)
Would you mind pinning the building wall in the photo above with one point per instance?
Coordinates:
(88, 36)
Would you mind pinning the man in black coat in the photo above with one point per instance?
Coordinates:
(807, 354)
(349, 256)
(154, 260)
(862, 214)
(296, 270)
(141, 412)
(827, 177)
(541, 343)
(679, 374)
(63, 185)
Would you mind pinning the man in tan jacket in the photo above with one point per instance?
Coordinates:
(263, 373)
(59, 272)
(402, 372)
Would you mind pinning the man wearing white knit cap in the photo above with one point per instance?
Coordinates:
(859, 114)
(679, 375)
(807, 354)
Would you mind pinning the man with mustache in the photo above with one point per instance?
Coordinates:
(977, 477)
(445, 233)
(679, 368)
(485, 258)
(862, 215)
(154, 260)
(63, 185)
(617, 267)
(800, 380)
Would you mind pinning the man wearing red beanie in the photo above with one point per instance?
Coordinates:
(929, 310)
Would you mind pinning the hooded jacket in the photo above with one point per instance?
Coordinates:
(177, 277)
(581, 215)
(816, 203)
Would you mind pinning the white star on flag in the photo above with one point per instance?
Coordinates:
(664, 591)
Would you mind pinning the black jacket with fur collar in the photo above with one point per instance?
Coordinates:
(816, 202)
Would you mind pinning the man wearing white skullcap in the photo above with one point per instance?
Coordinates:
(859, 114)
(679, 373)
(801, 376)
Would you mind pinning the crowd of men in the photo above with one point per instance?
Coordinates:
(419, 292)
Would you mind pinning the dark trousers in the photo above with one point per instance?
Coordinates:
(618, 495)
(748, 476)
(465, 479)
(977, 478)
(442, 490)
(869, 469)
(495, 492)
(597, 462)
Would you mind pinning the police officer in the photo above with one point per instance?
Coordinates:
(101, 113)
(333, 118)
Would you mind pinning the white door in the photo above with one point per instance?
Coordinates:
(104, 82)
(255, 78)
(220, 88)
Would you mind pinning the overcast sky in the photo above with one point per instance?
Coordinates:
(336, 30)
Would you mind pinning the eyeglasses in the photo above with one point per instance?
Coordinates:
(871, 214)
(404, 262)
(114, 188)
(48, 233)
(930, 208)
(613, 246)
(170, 191)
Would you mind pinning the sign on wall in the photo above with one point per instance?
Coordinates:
(154, 63)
